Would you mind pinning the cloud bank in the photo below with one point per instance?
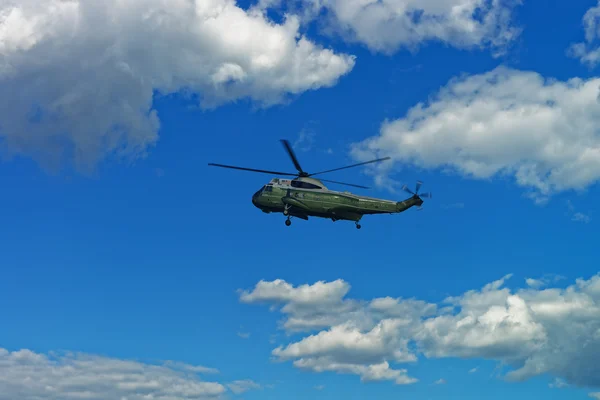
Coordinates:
(535, 331)
(387, 25)
(78, 77)
(26, 375)
(542, 132)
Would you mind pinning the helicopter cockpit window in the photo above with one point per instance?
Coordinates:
(268, 188)
(304, 185)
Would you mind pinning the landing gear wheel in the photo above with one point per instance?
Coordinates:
(358, 226)
(288, 222)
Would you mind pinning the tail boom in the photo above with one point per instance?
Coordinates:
(414, 201)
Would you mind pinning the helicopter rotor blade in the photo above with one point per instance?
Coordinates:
(252, 169)
(419, 183)
(407, 190)
(351, 166)
(425, 195)
(290, 151)
(343, 183)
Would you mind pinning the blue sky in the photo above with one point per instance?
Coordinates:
(166, 259)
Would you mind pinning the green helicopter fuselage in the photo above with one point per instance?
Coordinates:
(308, 197)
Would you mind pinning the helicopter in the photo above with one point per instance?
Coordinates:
(304, 196)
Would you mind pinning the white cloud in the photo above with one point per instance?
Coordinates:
(242, 386)
(367, 372)
(588, 52)
(191, 368)
(534, 283)
(27, 375)
(543, 281)
(535, 331)
(542, 132)
(595, 395)
(244, 335)
(279, 291)
(440, 381)
(387, 25)
(78, 77)
(473, 370)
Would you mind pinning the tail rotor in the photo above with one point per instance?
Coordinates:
(416, 193)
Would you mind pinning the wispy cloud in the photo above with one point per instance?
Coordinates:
(581, 217)
(199, 369)
(577, 216)
(558, 384)
(306, 137)
(27, 375)
(242, 386)
(543, 281)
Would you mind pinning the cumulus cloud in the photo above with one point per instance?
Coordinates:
(27, 375)
(79, 77)
(588, 51)
(387, 25)
(534, 331)
(542, 132)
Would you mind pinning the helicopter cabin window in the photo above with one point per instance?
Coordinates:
(304, 185)
(268, 188)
